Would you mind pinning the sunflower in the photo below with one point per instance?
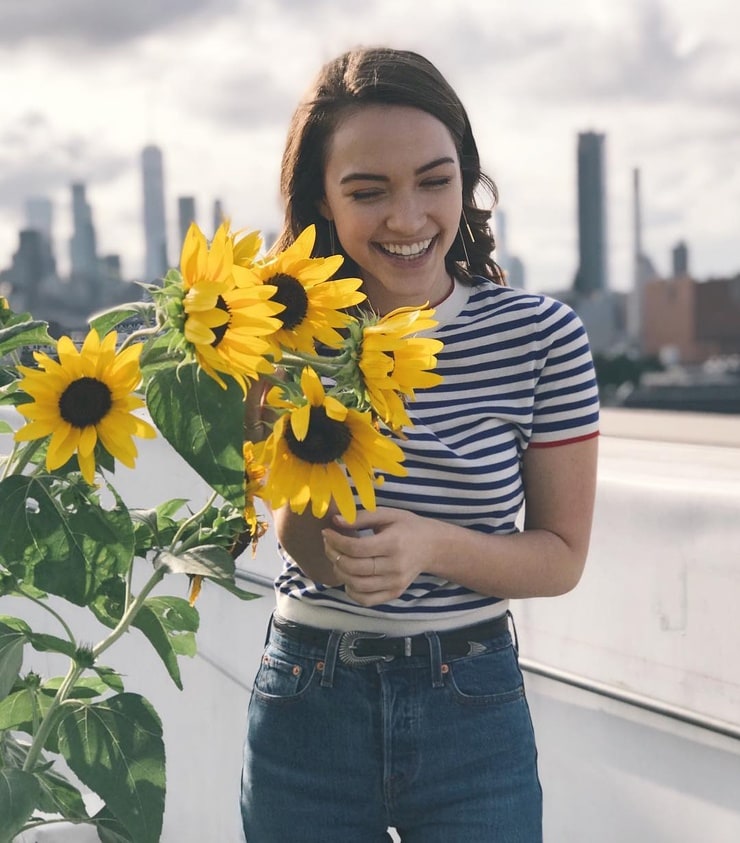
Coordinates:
(394, 364)
(312, 442)
(254, 480)
(313, 306)
(246, 248)
(229, 317)
(84, 398)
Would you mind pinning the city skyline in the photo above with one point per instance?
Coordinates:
(201, 81)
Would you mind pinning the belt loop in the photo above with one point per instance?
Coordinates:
(513, 629)
(435, 659)
(330, 659)
(269, 628)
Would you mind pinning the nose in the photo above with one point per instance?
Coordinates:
(407, 214)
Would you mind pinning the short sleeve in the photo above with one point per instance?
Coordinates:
(566, 395)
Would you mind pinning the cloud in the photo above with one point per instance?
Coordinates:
(36, 161)
(98, 24)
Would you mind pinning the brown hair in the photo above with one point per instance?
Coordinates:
(381, 76)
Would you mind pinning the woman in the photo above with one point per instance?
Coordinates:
(389, 694)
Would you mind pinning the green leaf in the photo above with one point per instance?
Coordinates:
(107, 320)
(16, 624)
(12, 642)
(155, 527)
(203, 423)
(109, 829)
(27, 331)
(169, 623)
(5, 427)
(209, 560)
(19, 795)
(115, 747)
(84, 688)
(111, 677)
(23, 710)
(109, 602)
(52, 644)
(67, 549)
(234, 589)
(57, 795)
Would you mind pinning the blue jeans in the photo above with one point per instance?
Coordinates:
(442, 751)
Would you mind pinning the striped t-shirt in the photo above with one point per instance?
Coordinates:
(517, 373)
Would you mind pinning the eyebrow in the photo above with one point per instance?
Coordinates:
(376, 177)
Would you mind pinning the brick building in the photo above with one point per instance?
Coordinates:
(691, 321)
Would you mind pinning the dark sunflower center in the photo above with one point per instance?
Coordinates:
(292, 294)
(220, 330)
(325, 441)
(85, 401)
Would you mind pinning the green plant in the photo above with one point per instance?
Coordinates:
(67, 540)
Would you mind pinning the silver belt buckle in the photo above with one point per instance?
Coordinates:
(347, 644)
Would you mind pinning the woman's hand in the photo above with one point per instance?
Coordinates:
(378, 556)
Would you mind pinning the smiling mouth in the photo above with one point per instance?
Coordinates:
(407, 251)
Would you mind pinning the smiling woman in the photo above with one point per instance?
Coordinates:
(393, 596)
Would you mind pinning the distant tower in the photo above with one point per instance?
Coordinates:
(642, 268)
(218, 214)
(155, 226)
(82, 246)
(185, 215)
(680, 259)
(39, 214)
(517, 277)
(592, 245)
(39, 217)
(27, 271)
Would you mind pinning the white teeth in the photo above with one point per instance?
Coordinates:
(407, 250)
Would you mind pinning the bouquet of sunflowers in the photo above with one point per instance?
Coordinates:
(336, 379)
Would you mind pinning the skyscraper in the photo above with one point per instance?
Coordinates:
(218, 214)
(592, 244)
(39, 217)
(39, 214)
(680, 259)
(185, 215)
(83, 252)
(155, 226)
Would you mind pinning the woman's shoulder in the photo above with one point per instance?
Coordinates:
(487, 295)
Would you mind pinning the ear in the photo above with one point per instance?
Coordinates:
(323, 208)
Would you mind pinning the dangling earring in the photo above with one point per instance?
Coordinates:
(462, 237)
(332, 244)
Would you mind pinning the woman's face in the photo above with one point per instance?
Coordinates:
(393, 188)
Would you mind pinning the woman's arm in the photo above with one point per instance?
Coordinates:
(301, 535)
(545, 559)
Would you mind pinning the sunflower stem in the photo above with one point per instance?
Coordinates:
(298, 360)
(142, 332)
(129, 615)
(51, 611)
(25, 457)
(196, 516)
(39, 739)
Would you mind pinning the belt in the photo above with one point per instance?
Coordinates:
(360, 648)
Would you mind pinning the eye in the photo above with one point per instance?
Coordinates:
(366, 194)
(439, 181)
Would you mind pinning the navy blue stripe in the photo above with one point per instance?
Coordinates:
(515, 366)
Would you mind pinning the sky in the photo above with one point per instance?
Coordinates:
(86, 84)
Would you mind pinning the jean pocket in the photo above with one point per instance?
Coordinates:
(492, 677)
(283, 677)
